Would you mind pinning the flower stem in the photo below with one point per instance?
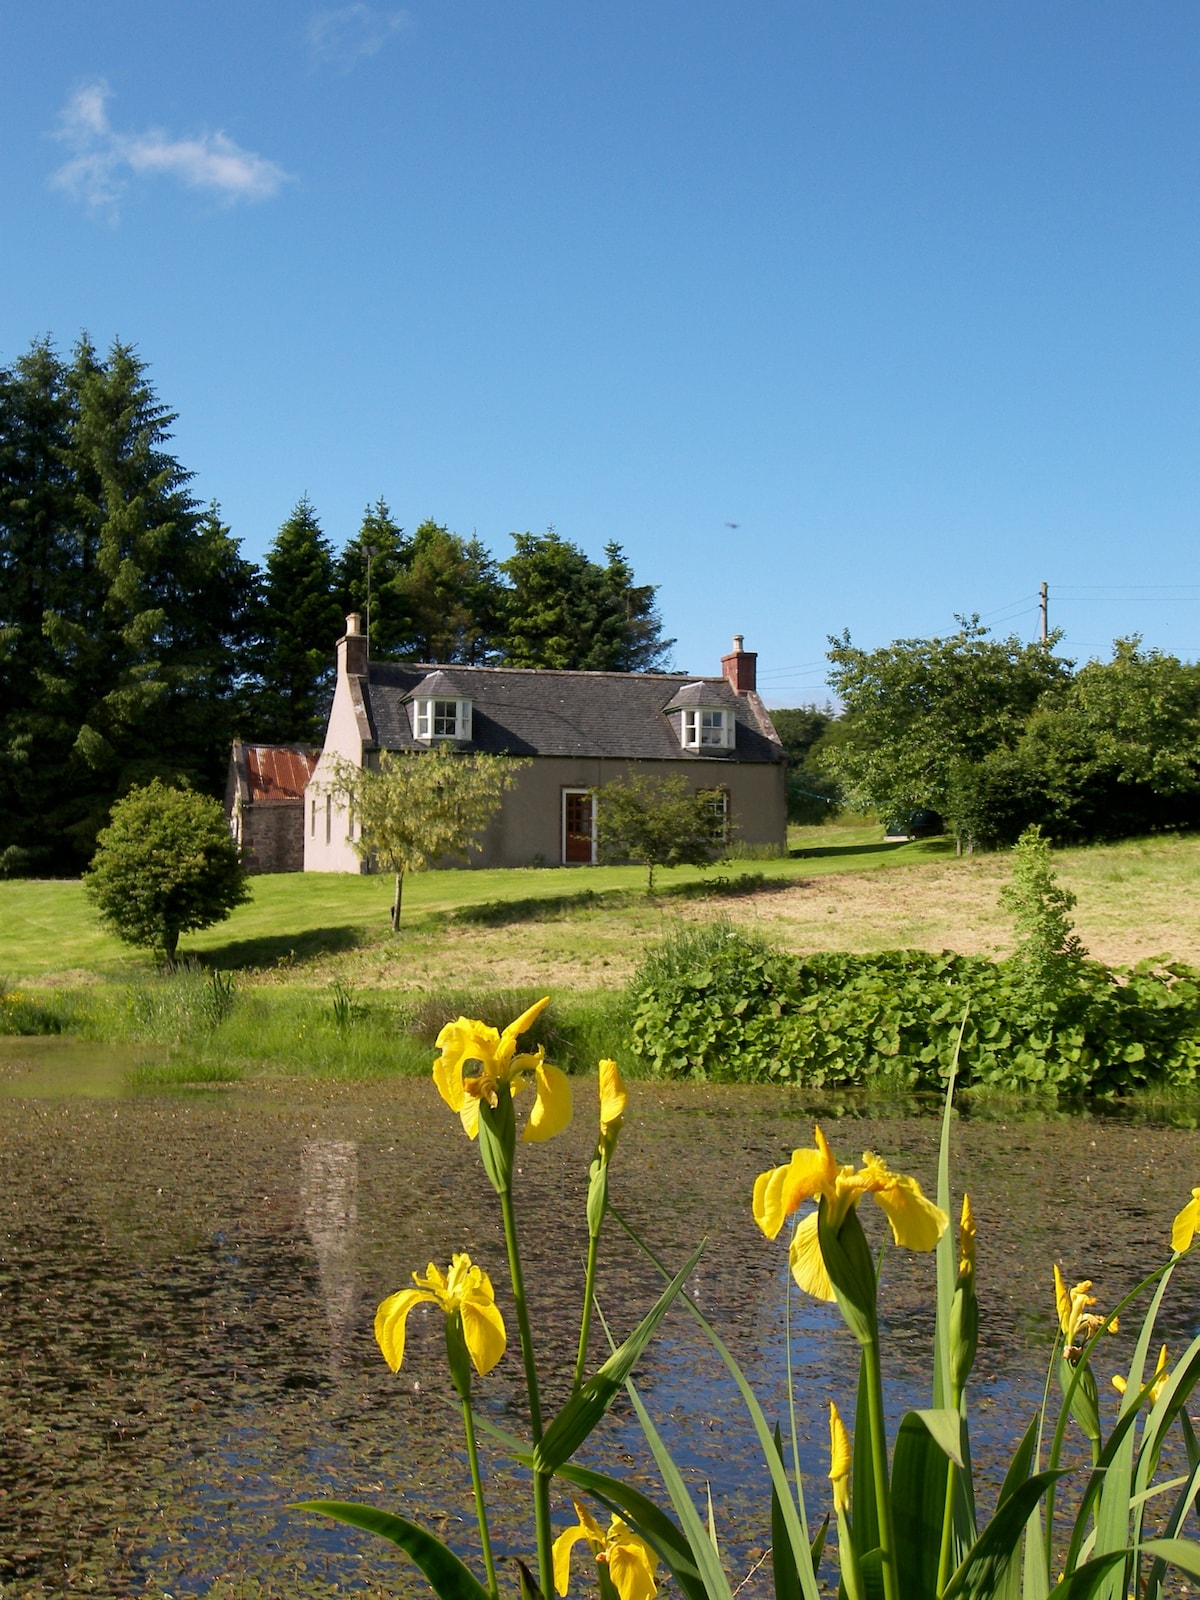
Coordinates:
(480, 1508)
(585, 1324)
(879, 1467)
(541, 1481)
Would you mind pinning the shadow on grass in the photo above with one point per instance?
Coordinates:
(934, 847)
(498, 913)
(279, 949)
(535, 908)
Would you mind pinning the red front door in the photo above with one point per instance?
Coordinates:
(577, 827)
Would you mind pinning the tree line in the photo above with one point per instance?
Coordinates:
(136, 640)
(998, 734)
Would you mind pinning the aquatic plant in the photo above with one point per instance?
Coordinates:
(908, 1520)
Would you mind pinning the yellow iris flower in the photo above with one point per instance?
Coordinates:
(466, 1290)
(614, 1097)
(917, 1224)
(630, 1560)
(1186, 1224)
(1078, 1324)
(839, 1460)
(966, 1241)
(1160, 1378)
(500, 1068)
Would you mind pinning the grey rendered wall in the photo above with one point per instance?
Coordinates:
(528, 830)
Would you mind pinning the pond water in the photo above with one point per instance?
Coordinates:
(188, 1280)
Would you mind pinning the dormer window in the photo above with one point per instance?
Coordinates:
(707, 728)
(438, 718)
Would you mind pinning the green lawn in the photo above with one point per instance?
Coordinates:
(48, 926)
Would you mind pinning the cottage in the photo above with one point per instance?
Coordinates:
(580, 730)
(264, 803)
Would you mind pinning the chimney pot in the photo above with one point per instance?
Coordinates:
(741, 667)
(354, 623)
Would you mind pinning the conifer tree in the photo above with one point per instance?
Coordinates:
(381, 551)
(454, 597)
(565, 611)
(301, 622)
(123, 610)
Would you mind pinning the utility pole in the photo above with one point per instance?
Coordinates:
(370, 551)
(1044, 612)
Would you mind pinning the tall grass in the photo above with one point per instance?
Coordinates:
(215, 1028)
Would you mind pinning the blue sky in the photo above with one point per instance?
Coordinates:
(907, 291)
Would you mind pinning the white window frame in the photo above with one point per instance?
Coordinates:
(721, 807)
(433, 720)
(707, 728)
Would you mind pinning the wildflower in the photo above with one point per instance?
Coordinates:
(465, 1292)
(1078, 1324)
(466, 1040)
(1161, 1376)
(614, 1097)
(630, 1560)
(1186, 1224)
(839, 1460)
(917, 1224)
(966, 1241)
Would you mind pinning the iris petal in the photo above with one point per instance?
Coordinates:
(807, 1262)
(563, 1545)
(1186, 1224)
(630, 1563)
(917, 1224)
(614, 1096)
(552, 1109)
(390, 1321)
(483, 1330)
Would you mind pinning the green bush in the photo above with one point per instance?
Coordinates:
(714, 1004)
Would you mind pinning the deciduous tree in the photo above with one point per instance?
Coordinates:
(164, 866)
(418, 808)
(921, 713)
(658, 822)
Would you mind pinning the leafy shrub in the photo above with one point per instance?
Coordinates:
(716, 1005)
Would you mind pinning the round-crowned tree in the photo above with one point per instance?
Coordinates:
(164, 866)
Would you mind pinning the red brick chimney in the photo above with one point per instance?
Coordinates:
(352, 649)
(740, 667)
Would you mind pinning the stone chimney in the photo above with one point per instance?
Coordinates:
(740, 667)
(352, 649)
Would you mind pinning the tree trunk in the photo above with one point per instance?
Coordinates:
(396, 902)
(170, 945)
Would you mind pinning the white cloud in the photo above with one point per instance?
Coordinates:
(104, 161)
(342, 36)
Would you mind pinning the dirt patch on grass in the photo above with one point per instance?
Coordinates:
(1126, 911)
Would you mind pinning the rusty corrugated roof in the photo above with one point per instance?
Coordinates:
(278, 771)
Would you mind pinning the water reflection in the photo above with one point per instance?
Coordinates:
(187, 1287)
(329, 1208)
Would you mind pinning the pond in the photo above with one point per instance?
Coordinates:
(188, 1281)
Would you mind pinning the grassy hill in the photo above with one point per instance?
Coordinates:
(840, 888)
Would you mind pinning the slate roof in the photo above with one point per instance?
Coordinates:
(519, 711)
(707, 692)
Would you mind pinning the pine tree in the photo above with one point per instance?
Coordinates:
(454, 597)
(123, 610)
(37, 566)
(301, 621)
(386, 606)
(565, 611)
